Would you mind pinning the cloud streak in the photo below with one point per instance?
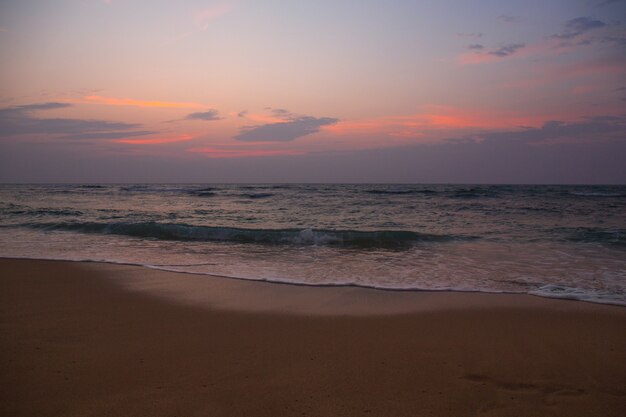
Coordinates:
(19, 120)
(480, 54)
(470, 35)
(292, 128)
(434, 123)
(211, 114)
(508, 18)
(576, 27)
(109, 135)
(226, 153)
(607, 2)
(506, 50)
(589, 129)
(155, 140)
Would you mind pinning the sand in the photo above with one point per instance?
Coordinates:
(85, 339)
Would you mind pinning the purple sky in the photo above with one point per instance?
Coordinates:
(313, 91)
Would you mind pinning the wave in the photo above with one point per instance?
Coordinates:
(601, 296)
(141, 188)
(135, 187)
(400, 192)
(27, 211)
(92, 186)
(201, 192)
(269, 187)
(255, 196)
(206, 192)
(611, 237)
(475, 192)
(597, 194)
(299, 237)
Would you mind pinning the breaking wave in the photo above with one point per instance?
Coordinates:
(299, 237)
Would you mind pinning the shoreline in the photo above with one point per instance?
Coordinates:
(101, 339)
(310, 285)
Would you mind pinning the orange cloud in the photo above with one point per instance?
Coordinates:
(434, 118)
(261, 118)
(113, 101)
(154, 141)
(242, 153)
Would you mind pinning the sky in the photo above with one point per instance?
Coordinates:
(430, 91)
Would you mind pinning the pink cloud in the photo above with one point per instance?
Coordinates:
(154, 140)
(212, 152)
(435, 118)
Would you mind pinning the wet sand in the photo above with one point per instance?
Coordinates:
(86, 339)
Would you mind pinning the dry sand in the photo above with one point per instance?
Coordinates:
(79, 339)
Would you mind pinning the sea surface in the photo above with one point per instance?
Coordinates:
(552, 241)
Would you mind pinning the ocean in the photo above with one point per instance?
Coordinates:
(551, 241)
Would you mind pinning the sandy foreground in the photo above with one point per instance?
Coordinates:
(86, 339)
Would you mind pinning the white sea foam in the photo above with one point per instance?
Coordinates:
(581, 294)
(546, 291)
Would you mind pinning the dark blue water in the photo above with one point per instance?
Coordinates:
(556, 241)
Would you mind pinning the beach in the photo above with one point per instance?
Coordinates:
(312, 208)
(89, 339)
